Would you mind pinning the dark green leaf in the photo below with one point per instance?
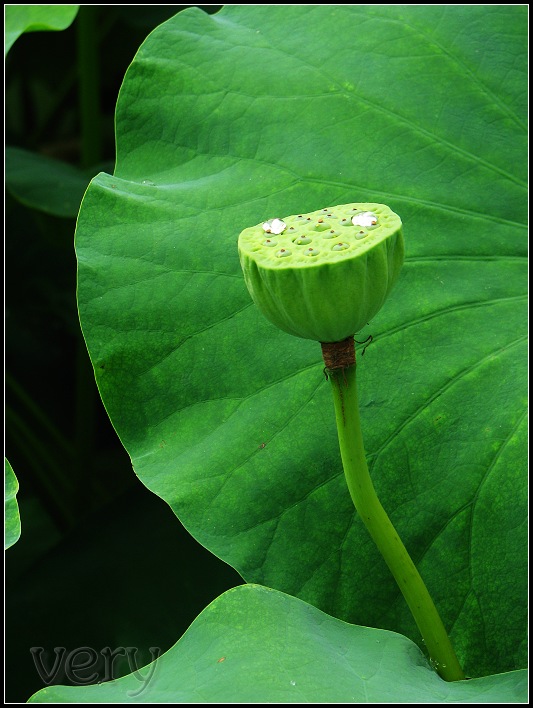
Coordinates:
(224, 121)
(45, 184)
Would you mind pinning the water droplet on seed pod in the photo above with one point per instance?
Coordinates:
(365, 218)
(274, 226)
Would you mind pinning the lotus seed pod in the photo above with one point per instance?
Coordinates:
(331, 270)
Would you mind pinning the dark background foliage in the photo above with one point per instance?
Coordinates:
(96, 546)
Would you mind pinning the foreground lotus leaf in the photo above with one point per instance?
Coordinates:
(325, 274)
(257, 645)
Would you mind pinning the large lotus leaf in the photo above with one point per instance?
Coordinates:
(263, 111)
(11, 509)
(256, 645)
(34, 18)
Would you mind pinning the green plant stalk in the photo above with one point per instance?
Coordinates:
(367, 504)
(89, 86)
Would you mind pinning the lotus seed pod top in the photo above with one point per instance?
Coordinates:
(325, 274)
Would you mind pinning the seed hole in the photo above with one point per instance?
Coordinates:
(301, 240)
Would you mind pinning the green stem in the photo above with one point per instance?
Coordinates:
(367, 504)
(89, 85)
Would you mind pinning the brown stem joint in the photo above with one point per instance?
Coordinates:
(338, 355)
